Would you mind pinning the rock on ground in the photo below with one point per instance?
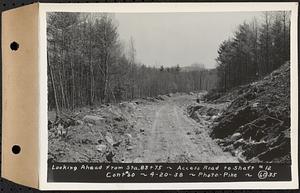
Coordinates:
(256, 122)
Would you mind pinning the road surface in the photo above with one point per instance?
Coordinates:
(167, 134)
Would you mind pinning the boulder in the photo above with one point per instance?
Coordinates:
(236, 136)
(109, 138)
(119, 119)
(129, 148)
(117, 144)
(93, 119)
(169, 95)
(214, 117)
(128, 106)
(159, 97)
(79, 122)
(254, 105)
(101, 148)
(128, 135)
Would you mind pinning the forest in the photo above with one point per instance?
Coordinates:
(256, 49)
(89, 65)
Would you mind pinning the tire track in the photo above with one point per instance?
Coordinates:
(173, 137)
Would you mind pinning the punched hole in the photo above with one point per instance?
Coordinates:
(14, 46)
(16, 149)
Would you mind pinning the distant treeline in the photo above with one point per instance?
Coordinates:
(257, 48)
(89, 65)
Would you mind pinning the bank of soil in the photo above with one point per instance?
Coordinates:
(252, 122)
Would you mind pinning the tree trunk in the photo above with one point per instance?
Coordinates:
(53, 86)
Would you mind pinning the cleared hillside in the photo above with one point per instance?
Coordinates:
(255, 123)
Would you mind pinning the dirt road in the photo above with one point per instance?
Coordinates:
(167, 134)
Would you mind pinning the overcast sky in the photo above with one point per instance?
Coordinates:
(179, 38)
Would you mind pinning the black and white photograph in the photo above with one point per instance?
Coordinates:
(169, 87)
(194, 87)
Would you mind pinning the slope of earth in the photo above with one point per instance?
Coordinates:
(91, 135)
(255, 124)
(145, 130)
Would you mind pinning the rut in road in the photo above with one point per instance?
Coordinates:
(170, 136)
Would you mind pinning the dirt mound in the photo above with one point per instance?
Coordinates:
(98, 135)
(251, 121)
(204, 112)
(213, 95)
(256, 125)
